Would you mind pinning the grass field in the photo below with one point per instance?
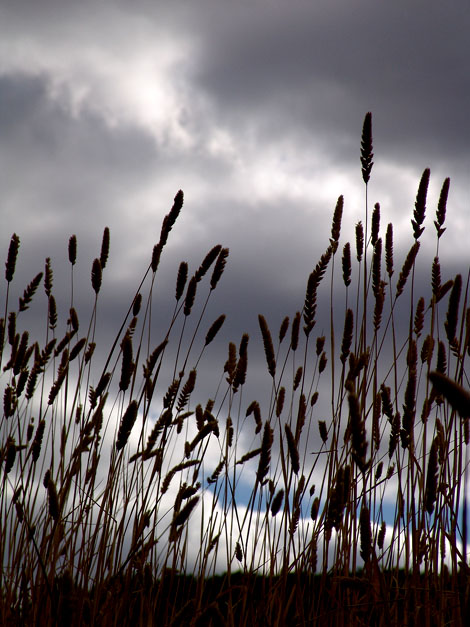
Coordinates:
(121, 485)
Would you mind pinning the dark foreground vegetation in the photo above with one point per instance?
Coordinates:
(120, 499)
(246, 599)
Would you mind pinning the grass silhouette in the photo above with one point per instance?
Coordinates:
(120, 501)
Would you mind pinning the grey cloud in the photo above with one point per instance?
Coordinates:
(42, 138)
(321, 66)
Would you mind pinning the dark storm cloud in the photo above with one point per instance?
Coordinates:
(320, 67)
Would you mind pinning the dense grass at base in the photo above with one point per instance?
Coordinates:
(380, 598)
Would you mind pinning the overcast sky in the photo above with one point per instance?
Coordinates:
(253, 109)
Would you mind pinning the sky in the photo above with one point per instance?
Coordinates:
(253, 109)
